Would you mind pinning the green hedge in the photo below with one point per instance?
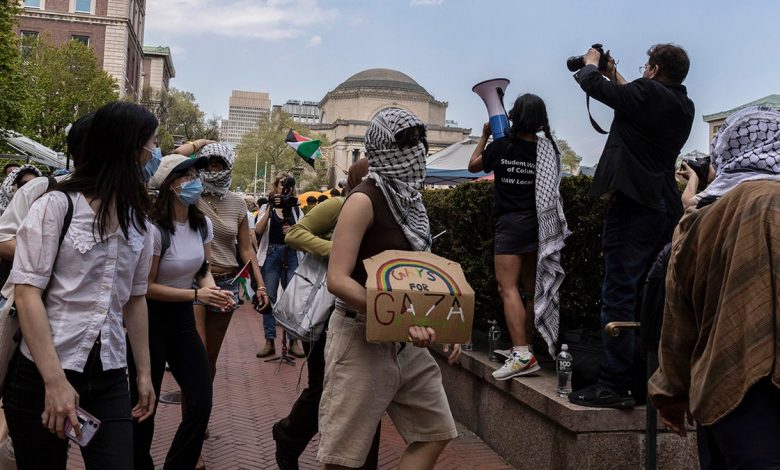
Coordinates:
(465, 211)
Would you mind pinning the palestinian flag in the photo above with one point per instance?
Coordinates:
(305, 147)
(244, 284)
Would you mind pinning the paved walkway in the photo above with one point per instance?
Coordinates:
(250, 395)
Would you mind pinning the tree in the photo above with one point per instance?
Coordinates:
(12, 90)
(570, 159)
(185, 118)
(267, 144)
(64, 83)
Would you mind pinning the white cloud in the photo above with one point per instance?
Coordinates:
(314, 41)
(415, 3)
(261, 19)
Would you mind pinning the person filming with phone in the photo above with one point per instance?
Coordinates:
(636, 173)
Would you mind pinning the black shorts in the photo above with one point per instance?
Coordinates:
(517, 233)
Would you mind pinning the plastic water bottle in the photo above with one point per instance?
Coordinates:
(494, 334)
(564, 364)
(467, 346)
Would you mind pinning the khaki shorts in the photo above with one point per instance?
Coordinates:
(363, 380)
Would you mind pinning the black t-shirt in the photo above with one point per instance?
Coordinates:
(513, 161)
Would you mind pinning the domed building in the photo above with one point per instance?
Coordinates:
(346, 111)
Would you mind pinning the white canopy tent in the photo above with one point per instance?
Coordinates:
(449, 165)
(32, 150)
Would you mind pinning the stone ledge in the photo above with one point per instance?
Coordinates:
(527, 424)
(538, 392)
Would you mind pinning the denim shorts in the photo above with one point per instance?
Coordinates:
(224, 284)
(517, 233)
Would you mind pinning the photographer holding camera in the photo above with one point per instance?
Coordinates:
(636, 172)
(278, 261)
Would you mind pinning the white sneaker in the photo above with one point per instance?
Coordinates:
(516, 366)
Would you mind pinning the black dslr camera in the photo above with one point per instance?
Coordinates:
(577, 62)
(286, 201)
(700, 166)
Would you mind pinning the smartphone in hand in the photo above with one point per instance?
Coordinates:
(88, 425)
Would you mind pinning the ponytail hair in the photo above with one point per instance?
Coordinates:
(529, 115)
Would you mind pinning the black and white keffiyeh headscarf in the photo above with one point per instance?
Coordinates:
(746, 148)
(7, 189)
(217, 183)
(399, 173)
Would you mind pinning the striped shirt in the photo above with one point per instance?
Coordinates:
(227, 215)
(721, 330)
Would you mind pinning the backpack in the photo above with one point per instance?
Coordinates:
(652, 308)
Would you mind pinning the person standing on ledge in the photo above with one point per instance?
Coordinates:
(636, 173)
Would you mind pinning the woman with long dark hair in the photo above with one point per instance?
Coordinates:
(81, 270)
(530, 228)
(182, 244)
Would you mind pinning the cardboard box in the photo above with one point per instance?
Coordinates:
(407, 288)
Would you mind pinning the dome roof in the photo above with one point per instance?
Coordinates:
(382, 78)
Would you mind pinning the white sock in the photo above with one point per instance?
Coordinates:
(521, 350)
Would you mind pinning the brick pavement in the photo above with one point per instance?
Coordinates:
(250, 395)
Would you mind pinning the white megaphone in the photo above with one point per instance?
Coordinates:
(492, 93)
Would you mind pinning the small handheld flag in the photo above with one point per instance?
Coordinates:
(305, 147)
(244, 283)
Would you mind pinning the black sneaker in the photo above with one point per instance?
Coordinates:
(285, 459)
(601, 396)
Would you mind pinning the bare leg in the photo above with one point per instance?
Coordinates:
(528, 281)
(216, 326)
(422, 455)
(508, 268)
(200, 321)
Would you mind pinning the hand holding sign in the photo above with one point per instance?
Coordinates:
(422, 336)
(414, 295)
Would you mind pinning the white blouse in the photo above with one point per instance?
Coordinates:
(91, 281)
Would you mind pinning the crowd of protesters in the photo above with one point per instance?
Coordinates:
(128, 265)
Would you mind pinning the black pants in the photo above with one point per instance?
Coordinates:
(174, 339)
(747, 438)
(632, 237)
(103, 394)
(299, 427)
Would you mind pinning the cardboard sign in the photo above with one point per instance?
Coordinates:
(407, 288)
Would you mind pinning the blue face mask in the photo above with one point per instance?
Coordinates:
(151, 166)
(190, 191)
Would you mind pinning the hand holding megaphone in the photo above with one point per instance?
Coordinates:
(492, 94)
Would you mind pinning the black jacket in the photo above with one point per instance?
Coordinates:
(652, 122)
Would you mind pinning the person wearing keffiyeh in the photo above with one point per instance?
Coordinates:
(720, 339)
(15, 180)
(362, 379)
(530, 228)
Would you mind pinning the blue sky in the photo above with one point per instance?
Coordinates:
(301, 49)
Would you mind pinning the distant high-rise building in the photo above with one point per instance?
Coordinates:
(113, 29)
(246, 109)
(305, 112)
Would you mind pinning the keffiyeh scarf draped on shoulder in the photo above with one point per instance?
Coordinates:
(399, 173)
(7, 189)
(746, 148)
(217, 183)
(553, 230)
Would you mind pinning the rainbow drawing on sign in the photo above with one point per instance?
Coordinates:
(397, 269)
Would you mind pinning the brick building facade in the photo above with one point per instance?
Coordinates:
(114, 30)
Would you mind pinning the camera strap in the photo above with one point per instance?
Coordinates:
(593, 121)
